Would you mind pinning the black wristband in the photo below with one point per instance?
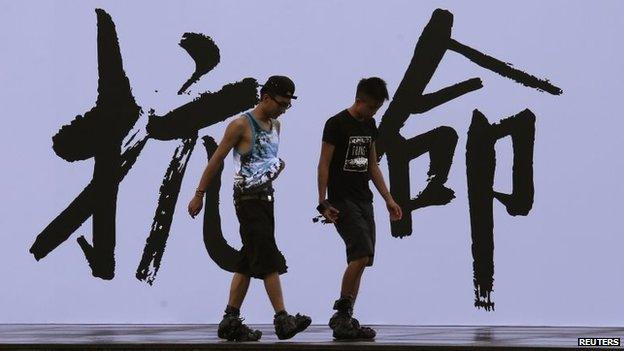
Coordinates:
(323, 206)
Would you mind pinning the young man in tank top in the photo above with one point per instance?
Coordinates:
(348, 161)
(254, 138)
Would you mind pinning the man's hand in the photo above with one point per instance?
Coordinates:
(328, 211)
(394, 209)
(331, 214)
(195, 206)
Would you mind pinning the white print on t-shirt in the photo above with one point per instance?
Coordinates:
(356, 158)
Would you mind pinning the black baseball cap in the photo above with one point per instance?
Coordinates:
(279, 85)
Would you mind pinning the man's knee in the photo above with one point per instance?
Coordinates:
(360, 262)
(270, 276)
(241, 277)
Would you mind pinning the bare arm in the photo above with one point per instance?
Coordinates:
(377, 177)
(327, 151)
(232, 136)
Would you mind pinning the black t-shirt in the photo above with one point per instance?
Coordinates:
(348, 169)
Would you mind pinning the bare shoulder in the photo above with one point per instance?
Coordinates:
(239, 121)
(238, 124)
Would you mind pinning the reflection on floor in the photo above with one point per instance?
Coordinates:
(389, 337)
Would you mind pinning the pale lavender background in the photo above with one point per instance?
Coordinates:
(561, 265)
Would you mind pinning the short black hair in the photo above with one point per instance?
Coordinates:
(373, 87)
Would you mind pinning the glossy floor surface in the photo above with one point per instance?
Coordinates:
(316, 337)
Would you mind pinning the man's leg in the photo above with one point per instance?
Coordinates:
(274, 290)
(341, 320)
(356, 228)
(286, 325)
(232, 327)
(352, 276)
(344, 326)
(357, 283)
(357, 287)
(238, 289)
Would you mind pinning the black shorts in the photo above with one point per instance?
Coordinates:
(356, 226)
(260, 255)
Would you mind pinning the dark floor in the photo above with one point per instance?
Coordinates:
(203, 337)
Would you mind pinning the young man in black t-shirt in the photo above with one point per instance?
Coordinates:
(348, 161)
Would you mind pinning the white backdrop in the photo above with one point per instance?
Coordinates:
(560, 265)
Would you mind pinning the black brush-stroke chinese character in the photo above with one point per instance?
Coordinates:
(409, 99)
(99, 134)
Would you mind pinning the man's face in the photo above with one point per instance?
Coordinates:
(367, 107)
(276, 104)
